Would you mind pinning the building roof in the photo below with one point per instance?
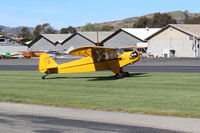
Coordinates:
(11, 39)
(190, 29)
(54, 38)
(193, 29)
(141, 33)
(93, 35)
(17, 39)
(62, 38)
(138, 33)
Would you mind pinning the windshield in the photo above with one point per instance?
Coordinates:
(119, 51)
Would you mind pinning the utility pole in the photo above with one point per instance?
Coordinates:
(97, 38)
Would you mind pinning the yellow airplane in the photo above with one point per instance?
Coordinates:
(98, 59)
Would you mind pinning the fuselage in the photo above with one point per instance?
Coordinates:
(90, 64)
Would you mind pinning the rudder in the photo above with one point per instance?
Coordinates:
(47, 64)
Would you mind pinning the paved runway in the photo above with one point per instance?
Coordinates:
(24, 118)
(23, 123)
(192, 69)
(130, 68)
(144, 65)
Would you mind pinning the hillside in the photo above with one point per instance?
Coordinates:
(12, 31)
(179, 16)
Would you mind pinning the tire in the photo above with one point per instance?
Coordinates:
(126, 74)
(119, 75)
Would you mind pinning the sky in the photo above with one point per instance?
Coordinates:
(64, 13)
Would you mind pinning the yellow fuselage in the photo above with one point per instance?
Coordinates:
(88, 64)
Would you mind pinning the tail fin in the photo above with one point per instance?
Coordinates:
(47, 64)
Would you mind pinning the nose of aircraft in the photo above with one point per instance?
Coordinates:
(134, 54)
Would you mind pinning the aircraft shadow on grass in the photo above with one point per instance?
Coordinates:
(92, 78)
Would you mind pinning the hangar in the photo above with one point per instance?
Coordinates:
(175, 40)
(97, 37)
(10, 45)
(55, 42)
(81, 39)
(129, 37)
(48, 42)
(75, 41)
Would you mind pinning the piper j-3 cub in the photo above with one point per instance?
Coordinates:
(97, 59)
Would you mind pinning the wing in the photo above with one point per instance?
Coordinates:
(91, 51)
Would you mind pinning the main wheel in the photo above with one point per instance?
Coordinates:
(126, 74)
(119, 75)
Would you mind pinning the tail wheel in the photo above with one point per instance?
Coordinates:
(44, 76)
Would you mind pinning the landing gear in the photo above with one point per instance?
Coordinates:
(126, 74)
(119, 75)
(43, 77)
(122, 74)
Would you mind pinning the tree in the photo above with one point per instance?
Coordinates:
(48, 29)
(141, 23)
(45, 28)
(70, 29)
(195, 20)
(186, 16)
(106, 28)
(37, 30)
(90, 27)
(1, 28)
(97, 27)
(64, 31)
(160, 20)
(126, 26)
(24, 32)
(1, 32)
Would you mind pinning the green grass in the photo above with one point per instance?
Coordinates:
(175, 94)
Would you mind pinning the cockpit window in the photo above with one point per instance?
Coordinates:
(119, 51)
(129, 49)
(105, 56)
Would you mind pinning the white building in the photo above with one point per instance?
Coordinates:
(175, 40)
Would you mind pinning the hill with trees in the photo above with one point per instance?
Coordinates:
(180, 17)
(154, 20)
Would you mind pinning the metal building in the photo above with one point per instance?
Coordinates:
(54, 42)
(129, 37)
(81, 39)
(10, 45)
(75, 41)
(47, 42)
(175, 40)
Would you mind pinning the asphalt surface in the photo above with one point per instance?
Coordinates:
(141, 62)
(22, 118)
(144, 65)
(22, 123)
(130, 68)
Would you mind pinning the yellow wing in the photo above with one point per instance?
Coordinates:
(90, 51)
